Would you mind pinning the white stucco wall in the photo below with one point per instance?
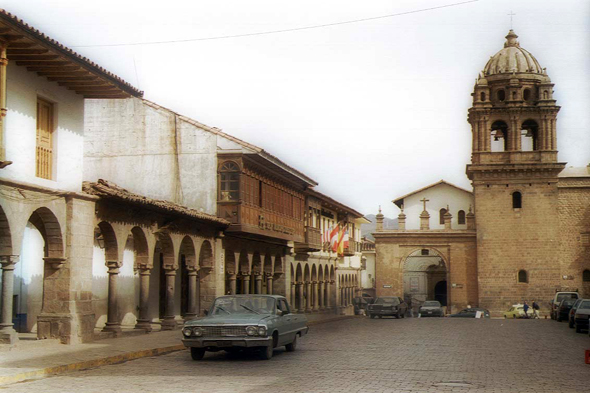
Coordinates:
(151, 151)
(368, 275)
(23, 89)
(439, 197)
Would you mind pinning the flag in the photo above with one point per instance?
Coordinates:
(345, 238)
(340, 245)
(334, 237)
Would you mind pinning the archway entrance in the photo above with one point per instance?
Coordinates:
(425, 277)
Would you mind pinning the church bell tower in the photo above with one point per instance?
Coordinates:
(514, 172)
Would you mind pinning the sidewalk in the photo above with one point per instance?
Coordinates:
(31, 359)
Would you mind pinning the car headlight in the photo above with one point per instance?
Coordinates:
(262, 330)
(198, 331)
(251, 330)
(187, 331)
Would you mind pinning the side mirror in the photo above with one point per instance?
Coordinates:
(280, 313)
(206, 312)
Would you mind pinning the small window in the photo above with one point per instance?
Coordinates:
(501, 95)
(522, 276)
(425, 251)
(442, 213)
(229, 178)
(45, 127)
(461, 217)
(482, 96)
(526, 94)
(586, 275)
(516, 200)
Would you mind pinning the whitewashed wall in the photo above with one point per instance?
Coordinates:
(23, 89)
(439, 197)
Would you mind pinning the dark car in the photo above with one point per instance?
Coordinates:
(431, 308)
(582, 315)
(388, 305)
(572, 313)
(564, 308)
(472, 313)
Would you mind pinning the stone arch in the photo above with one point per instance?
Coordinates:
(46, 222)
(278, 267)
(109, 239)
(141, 249)
(230, 262)
(256, 263)
(267, 266)
(306, 273)
(299, 304)
(164, 266)
(332, 274)
(499, 136)
(206, 260)
(314, 273)
(320, 273)
(423, 269)
(5, 235)
(529, 135)
(299, 273)
(244, 263)
(187, 262)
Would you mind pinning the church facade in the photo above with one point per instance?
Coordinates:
(528, 231)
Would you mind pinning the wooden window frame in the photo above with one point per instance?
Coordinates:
(44, 150)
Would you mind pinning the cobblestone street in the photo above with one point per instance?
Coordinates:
(364, 355)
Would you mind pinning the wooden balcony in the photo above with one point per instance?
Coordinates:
(353, 247)
(313, 241)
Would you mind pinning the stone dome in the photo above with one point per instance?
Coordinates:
(512, 59)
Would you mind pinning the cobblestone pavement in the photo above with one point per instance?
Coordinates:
(366, 355)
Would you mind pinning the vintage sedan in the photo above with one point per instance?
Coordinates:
(473, 312)
(431, 308)
(516, 311)
(237, 322)
(388, 305)
(582, 316)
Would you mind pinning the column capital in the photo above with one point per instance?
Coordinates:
(192, 269)
(258, 277)
(144, 271)
(55, 262)
(8, 261)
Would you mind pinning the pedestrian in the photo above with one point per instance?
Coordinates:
(536, 310)
(525, 307)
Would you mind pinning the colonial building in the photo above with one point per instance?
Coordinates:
(531, 234)
(45, 218)
(326, 280)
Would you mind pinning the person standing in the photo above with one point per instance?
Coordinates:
(535, 310)
(525, 307)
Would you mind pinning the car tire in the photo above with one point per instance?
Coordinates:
(558, 318)
(578, 329)
(197, 353)
(571, 324)
(380, 316)
(372, 316)
(513, 316)
(398, 315)
(293, 346)
(266, 352)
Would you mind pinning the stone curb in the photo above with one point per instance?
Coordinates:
(84, 365)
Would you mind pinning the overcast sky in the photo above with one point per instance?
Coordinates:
(371, 110)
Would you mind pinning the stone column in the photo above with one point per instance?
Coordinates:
(321, 293)
(113, 324)
(308, 297)
(328, 294)
(7, 333)
(269, 284)
(168, 322)
(424, 221)
(143, 321)
(245, 283)
(258, 278)
(316, 296)
(193, 293)
(301, 306)
(447, 218)
(293, 298)
(232, 282)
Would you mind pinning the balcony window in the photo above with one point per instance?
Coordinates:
(229, 182)
(44, 161)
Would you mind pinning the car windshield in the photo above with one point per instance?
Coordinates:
(243, 305)
(563, 296)
(585, 305)
(568, 302)
(387, 300)
(431, 304)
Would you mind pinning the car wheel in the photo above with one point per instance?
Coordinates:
(197, 353)
(571, 324)
(293, 346)
(372, 316)
(513, 316)
(266, 352)
(380, 316)
(398, 315)
(559, 318)
(578, 329)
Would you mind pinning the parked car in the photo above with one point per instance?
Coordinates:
(237, 322)
(564, 308)
(431, 308)
(572, 313)
(388, 305)
(471, 313)
(581, 316)
(516, 311)
(559, 296)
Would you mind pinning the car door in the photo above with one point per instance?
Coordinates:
(287, 323)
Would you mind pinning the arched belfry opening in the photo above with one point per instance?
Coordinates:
(425, 277)
(529, 136)
(499, 136)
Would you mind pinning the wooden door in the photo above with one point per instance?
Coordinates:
(44, 139)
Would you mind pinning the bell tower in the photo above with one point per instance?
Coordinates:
(514, 171)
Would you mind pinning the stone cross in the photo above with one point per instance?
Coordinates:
(511, 14)
(424, 201)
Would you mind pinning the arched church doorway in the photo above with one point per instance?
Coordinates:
(425, 277)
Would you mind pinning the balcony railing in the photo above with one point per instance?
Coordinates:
(353, 247)
(313, 238)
